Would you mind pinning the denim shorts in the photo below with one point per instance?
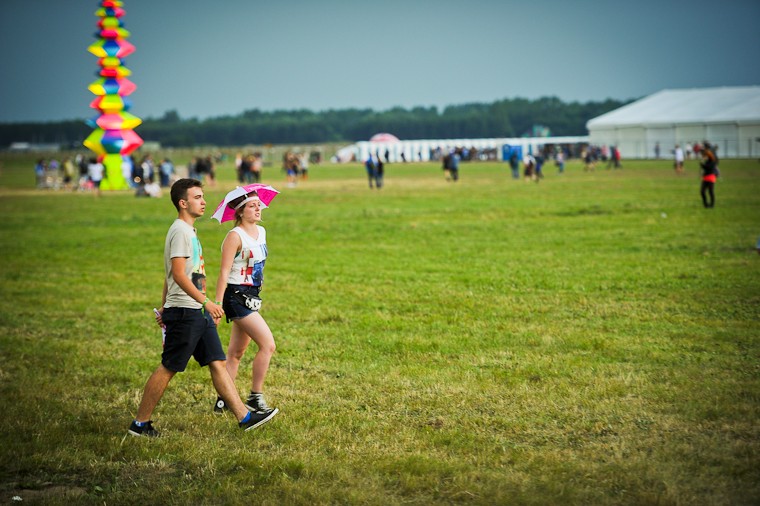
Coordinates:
(233, 308)
(189, 333)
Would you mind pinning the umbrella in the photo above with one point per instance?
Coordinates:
(225, 213)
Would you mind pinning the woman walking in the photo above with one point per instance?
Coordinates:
(244, 253)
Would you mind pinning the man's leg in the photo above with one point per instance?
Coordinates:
(225, 387)
(154, 390)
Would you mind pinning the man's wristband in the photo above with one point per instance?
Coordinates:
(205, 302)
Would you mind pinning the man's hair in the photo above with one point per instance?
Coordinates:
(180, 187)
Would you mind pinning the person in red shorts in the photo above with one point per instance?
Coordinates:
(709, 175)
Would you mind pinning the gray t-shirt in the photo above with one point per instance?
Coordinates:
(182, 242)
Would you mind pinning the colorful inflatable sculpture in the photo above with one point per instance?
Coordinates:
(113, 138)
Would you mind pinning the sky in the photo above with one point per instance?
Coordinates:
(205, 58)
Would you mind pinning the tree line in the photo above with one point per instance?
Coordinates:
(503, 118)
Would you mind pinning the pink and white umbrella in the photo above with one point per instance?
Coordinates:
(225, 213)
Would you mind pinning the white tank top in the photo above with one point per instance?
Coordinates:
(248, 264)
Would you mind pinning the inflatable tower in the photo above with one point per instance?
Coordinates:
(113, 138)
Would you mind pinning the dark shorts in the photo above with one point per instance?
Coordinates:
(233, 308)
(189, 333)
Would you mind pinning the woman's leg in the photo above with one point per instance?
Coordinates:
(254, 326)
(239, 341)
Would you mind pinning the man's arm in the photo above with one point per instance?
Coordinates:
(163, 301)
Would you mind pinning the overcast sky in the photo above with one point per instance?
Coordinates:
(208, 58)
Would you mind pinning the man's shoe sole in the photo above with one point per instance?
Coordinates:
(265, 420)
(137, 434)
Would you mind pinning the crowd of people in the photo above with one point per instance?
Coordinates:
(85, 173)
(148, 177)
(70, 174)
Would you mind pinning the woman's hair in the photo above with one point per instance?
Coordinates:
(232, 204)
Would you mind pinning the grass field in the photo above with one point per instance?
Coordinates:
(592, 339)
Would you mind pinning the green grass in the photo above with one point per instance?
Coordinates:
(592, 339)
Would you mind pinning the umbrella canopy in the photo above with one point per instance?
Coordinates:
(225, 213)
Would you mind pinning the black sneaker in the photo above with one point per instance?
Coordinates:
(257, 419)
(256, 404)
(146, 430)
(220, 406)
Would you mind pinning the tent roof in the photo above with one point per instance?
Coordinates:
(704, 105)
(384, 137)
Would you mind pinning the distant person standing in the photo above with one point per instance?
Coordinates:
(39, 172)
(128, 170)
(369, 165)
(256, 165)
(657, 150)
(166, 171)
(69, 173)
(529, 165)
(245, 174)
(560, 161)
(210, 171)
(614, 160)
(148, 169)
(709, 176)
(53, 170)
(454, 166)
(514, 164)
(379, 173)
(678, 155)
(239, 167)
(95, 173)
(539, 166)
(697, 150)
(303, 159)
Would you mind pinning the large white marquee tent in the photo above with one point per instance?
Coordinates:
(728, 117)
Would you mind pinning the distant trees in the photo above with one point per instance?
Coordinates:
(503, 118)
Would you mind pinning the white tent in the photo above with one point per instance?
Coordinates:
(727, 117)
(419, 150)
